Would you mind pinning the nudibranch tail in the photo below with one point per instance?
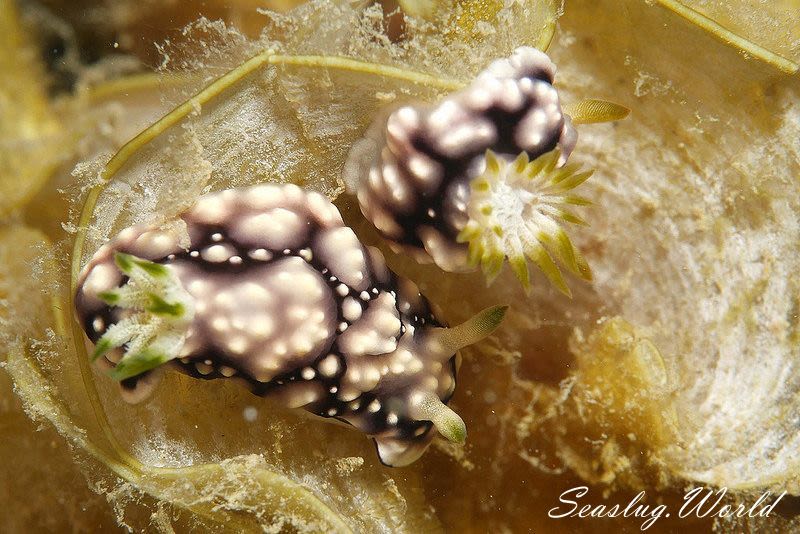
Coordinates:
(515, 210)
(160, 313)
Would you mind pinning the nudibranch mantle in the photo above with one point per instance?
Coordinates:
(274, 291)
(415, 171)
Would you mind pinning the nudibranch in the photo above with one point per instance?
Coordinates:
(478, 177)
(267, 286)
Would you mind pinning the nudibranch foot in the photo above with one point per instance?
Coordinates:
(516, 208)
(160, 312)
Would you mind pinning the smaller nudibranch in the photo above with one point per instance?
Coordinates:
(271, 289)
(480, 176)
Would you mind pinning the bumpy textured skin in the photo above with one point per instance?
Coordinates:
(290, 303)
(416, 189)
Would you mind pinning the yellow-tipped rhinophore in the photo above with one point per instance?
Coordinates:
(447, 422)
(593, 110)
(515, 210)
(449, 340)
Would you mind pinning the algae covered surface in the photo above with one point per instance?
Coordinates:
(676, 366)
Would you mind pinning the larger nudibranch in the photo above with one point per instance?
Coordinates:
(478, 177)
(274, 291)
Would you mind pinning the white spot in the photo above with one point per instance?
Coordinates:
(301, 394)
(332, 412)
(322, 209)
(340, 250)
(264, 196)
(333, 389)
(98, 324)
(427, 172)
(374, 406)
(217, 253)
(203, 368)
(101, 278)
(371, 378)
(260, 254)
(351, 309)
(308, 373)
(156, 242)
(250, 414)
(194, 254)
(431, 212)
(238, 345)
(392, 419)
(430, 383)
(306, 254)
(342, 290)
(277, 228)
(210, 209)
(364, 295)
(446, 382)
(236, 260)
(293, 193)
(220, 324)
(329, 365)
(299, 313)
(342, 326)
(349, 393)
(261, 326)
(397, 188)
(286, 312)
(375, 331)
(226, 299)
(216, 237)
